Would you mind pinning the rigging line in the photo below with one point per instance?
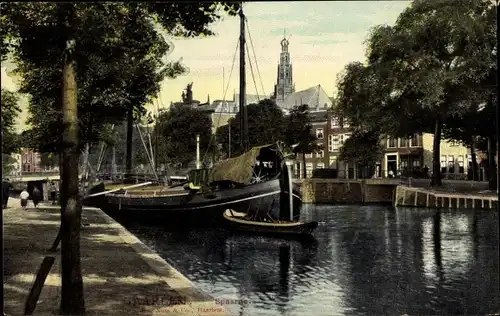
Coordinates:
(251, 70)
(223, 99)
(255, 57)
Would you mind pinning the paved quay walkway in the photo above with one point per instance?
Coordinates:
(121, 275)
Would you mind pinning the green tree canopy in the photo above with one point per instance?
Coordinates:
(120, 54)
(420, 72)
(299, 135)
(178, 129)
(266, 125)
(362, 148)
(10, 111)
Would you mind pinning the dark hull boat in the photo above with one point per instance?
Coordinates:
(250, 183)
(267, 221)
(241, 222)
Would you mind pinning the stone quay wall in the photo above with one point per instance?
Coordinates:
(323, 191)
(397, 193)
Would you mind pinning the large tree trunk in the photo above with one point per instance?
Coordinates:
(436, 166)
(72, 302)
(492, 169)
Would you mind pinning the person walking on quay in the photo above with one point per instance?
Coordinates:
(426, 172)
(24, 199)
(6, 186)
(37, 197)
(53, 192)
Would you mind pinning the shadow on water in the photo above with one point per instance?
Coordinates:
(362, 260)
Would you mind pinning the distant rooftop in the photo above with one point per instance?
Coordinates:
(315, 97)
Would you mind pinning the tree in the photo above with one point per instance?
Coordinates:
(178, 131)
(430, 52)
(299, 133)
(115, 54)
(10, 110)
(266, 125)
(8, 164)
(362, 148)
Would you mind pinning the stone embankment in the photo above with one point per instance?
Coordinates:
(121, 275)
(399, 192)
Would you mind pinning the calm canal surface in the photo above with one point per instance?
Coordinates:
(365, 260)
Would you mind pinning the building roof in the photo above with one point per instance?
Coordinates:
(250, 99)
(315, 97)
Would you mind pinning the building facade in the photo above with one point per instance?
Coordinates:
(30, 161)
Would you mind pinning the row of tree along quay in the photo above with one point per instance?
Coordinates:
(434, 71)
(86, 67)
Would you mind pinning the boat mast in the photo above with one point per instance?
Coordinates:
(130, 130)
(243, 112)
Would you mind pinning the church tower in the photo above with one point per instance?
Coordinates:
(284, 83)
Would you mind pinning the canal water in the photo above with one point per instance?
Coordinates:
(363, 260)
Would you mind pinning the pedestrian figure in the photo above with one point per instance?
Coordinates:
(426, 172)
(6, 186)
(37, 197)
(391, 174)
(24, 199)
(53, 192)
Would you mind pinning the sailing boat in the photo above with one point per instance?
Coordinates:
(252, 183)
(271, 222)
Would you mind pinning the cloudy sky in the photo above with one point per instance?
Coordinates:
(324, 37)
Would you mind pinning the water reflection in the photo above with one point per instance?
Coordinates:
(363, 260)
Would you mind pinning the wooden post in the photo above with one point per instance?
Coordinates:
(36, 289)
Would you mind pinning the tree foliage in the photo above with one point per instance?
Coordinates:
(266, 125)
(421, 72)
(10, 111)
(362, 148)
(120, 58)
(106, 59)
(178, 129)
(299, 132)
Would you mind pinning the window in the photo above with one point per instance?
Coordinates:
(392, 143)
(320, 154)
(451, 164)
(404, 142)
(309, 155)
(453, 143)
(333, 162)
(333, 143)
(416, 164)
(319, 133)
(461, 164)
(414, 140)
(320, 165)
(309, 169)
(403, 165)
(443, 164)
(345, 123)
(335, 122)
(345, 137)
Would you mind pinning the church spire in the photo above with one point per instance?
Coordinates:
(284, 83)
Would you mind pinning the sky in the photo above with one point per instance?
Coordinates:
(324, 37)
